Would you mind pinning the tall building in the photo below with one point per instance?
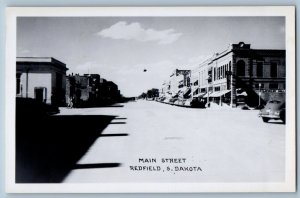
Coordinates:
(240, 74)
(179, 82)
(41, 78)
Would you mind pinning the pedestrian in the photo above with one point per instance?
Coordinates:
(70, 103)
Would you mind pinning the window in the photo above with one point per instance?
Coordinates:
(273, 86)
(262, 85)
(188, 81)
(209, 76)
(259, 69)
(18, 83)
(229, 69)
(273, 69)
(215, 74)
(222, 67)
(240, 70)
(217, 88)
(196, 92)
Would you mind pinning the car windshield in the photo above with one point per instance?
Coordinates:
(274, 102)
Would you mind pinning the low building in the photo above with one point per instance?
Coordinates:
(41, 78)
(109, 91)
(91, 90)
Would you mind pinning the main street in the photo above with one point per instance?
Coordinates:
(149, 141)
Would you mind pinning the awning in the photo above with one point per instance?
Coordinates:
(219, 93)
(180, 92)
(187, 91)
(199, 95)
(205, 96)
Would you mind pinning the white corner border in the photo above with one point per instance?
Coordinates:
(13, 12)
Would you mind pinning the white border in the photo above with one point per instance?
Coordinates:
(10, 69)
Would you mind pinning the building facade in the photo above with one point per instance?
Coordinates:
(41, 78)
(91, 90)
(179, 82)
(177, 88)
(241, 75)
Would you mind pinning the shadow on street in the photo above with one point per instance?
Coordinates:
(98, 165)
(48, 147)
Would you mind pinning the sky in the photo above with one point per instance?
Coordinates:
(121, 48)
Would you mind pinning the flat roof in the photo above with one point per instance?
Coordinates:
(39, 60)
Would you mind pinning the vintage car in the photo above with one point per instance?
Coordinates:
(198, 103)
(274, 109)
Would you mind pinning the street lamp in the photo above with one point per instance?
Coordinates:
(208, 81)
(27, 71)
(191, 86)
(229, 85)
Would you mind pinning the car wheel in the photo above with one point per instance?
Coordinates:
(265, 119)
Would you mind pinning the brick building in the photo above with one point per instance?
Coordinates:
(91, 90)
(240, 74)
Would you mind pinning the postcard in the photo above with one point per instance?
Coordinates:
(150, 99)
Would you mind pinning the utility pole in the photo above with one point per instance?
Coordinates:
(208, 81)
(259, 94)
(27, 70)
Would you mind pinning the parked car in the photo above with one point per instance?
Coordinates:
(198, 103)
(172, 100)
(274, 109)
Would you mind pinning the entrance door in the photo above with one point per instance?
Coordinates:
(39, 94)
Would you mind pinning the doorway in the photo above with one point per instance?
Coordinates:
(40, 94)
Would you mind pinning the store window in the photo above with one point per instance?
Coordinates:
(273, 86)
(217, 88)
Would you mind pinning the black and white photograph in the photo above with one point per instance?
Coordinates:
(186, 99)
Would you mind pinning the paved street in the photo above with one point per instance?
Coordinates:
(149, 141)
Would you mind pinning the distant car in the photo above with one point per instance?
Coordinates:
(173, 100)
(274, 109)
